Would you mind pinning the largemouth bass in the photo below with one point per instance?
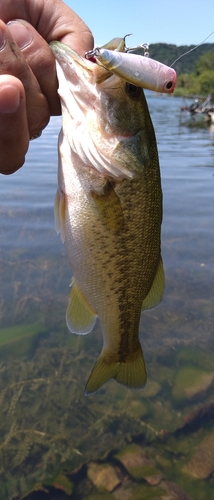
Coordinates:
(109, 210)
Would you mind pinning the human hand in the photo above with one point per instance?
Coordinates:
(28, 81)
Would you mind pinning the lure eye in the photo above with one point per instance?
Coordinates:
(133, 91)
(169, 85)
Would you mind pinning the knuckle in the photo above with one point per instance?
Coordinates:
(12, 153)
(11, 165)
(38, 124)
(42, 65)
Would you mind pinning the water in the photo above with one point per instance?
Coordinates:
(46, 423)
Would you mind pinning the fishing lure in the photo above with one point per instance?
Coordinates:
(137, 69)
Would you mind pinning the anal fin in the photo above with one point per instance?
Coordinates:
(156, 291)
(80, 318)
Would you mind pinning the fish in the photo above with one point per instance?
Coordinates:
(108, 209)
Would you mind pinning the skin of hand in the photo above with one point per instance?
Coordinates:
(28, 81)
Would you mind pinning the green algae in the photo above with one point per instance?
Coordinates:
(60, 482)
(37, 490)
(172, 456)
(60, 440)
(130, 448)
(139, 408)
(152, 389)
(19, 340)
(201, 463)
(103, 476)
(38, 390)
(47, 423)
(18, 332)
(198, 489)
(136, 462)
(99, 496)
(191, 382)
(196, 357)
(141, 492)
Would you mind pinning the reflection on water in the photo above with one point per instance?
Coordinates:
(152, 443)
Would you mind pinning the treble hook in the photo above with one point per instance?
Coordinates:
(144, 46)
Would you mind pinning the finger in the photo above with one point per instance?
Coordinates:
(53, 20)
(40, 59)
(61, 23)
(13, 62)
(14, 135)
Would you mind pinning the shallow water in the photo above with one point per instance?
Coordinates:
(46, 423)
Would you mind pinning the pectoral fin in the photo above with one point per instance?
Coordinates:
(80, 318)
(59, 214)
(155, 294)
(109, 208)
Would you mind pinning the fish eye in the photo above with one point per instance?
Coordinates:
(133, 91)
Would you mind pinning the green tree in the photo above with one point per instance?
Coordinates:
(206, 82)
(205, 63)
(188, 83)
(201, 80)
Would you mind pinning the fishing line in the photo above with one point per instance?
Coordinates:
(185, 53)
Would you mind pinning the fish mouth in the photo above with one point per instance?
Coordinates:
(65, 56)
(63, 52)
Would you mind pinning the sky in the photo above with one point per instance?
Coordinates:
(181, 22)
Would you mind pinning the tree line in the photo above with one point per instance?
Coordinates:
(195, 70)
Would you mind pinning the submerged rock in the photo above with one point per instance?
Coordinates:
(196, 419)
(100, 496)
(152, 389)
(174, 492)
(166, 490)
(201, 464)
(138, 465)
(103, 476)
(196, 356)
(191, 382)
(140, 492)
(138, 408)
(61, 482)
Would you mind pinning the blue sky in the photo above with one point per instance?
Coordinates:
(183, 22)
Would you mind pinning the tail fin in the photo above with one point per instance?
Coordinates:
(131, 373)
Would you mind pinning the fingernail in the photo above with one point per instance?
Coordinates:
(9, 98)
(21, 34)
(2, 39)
